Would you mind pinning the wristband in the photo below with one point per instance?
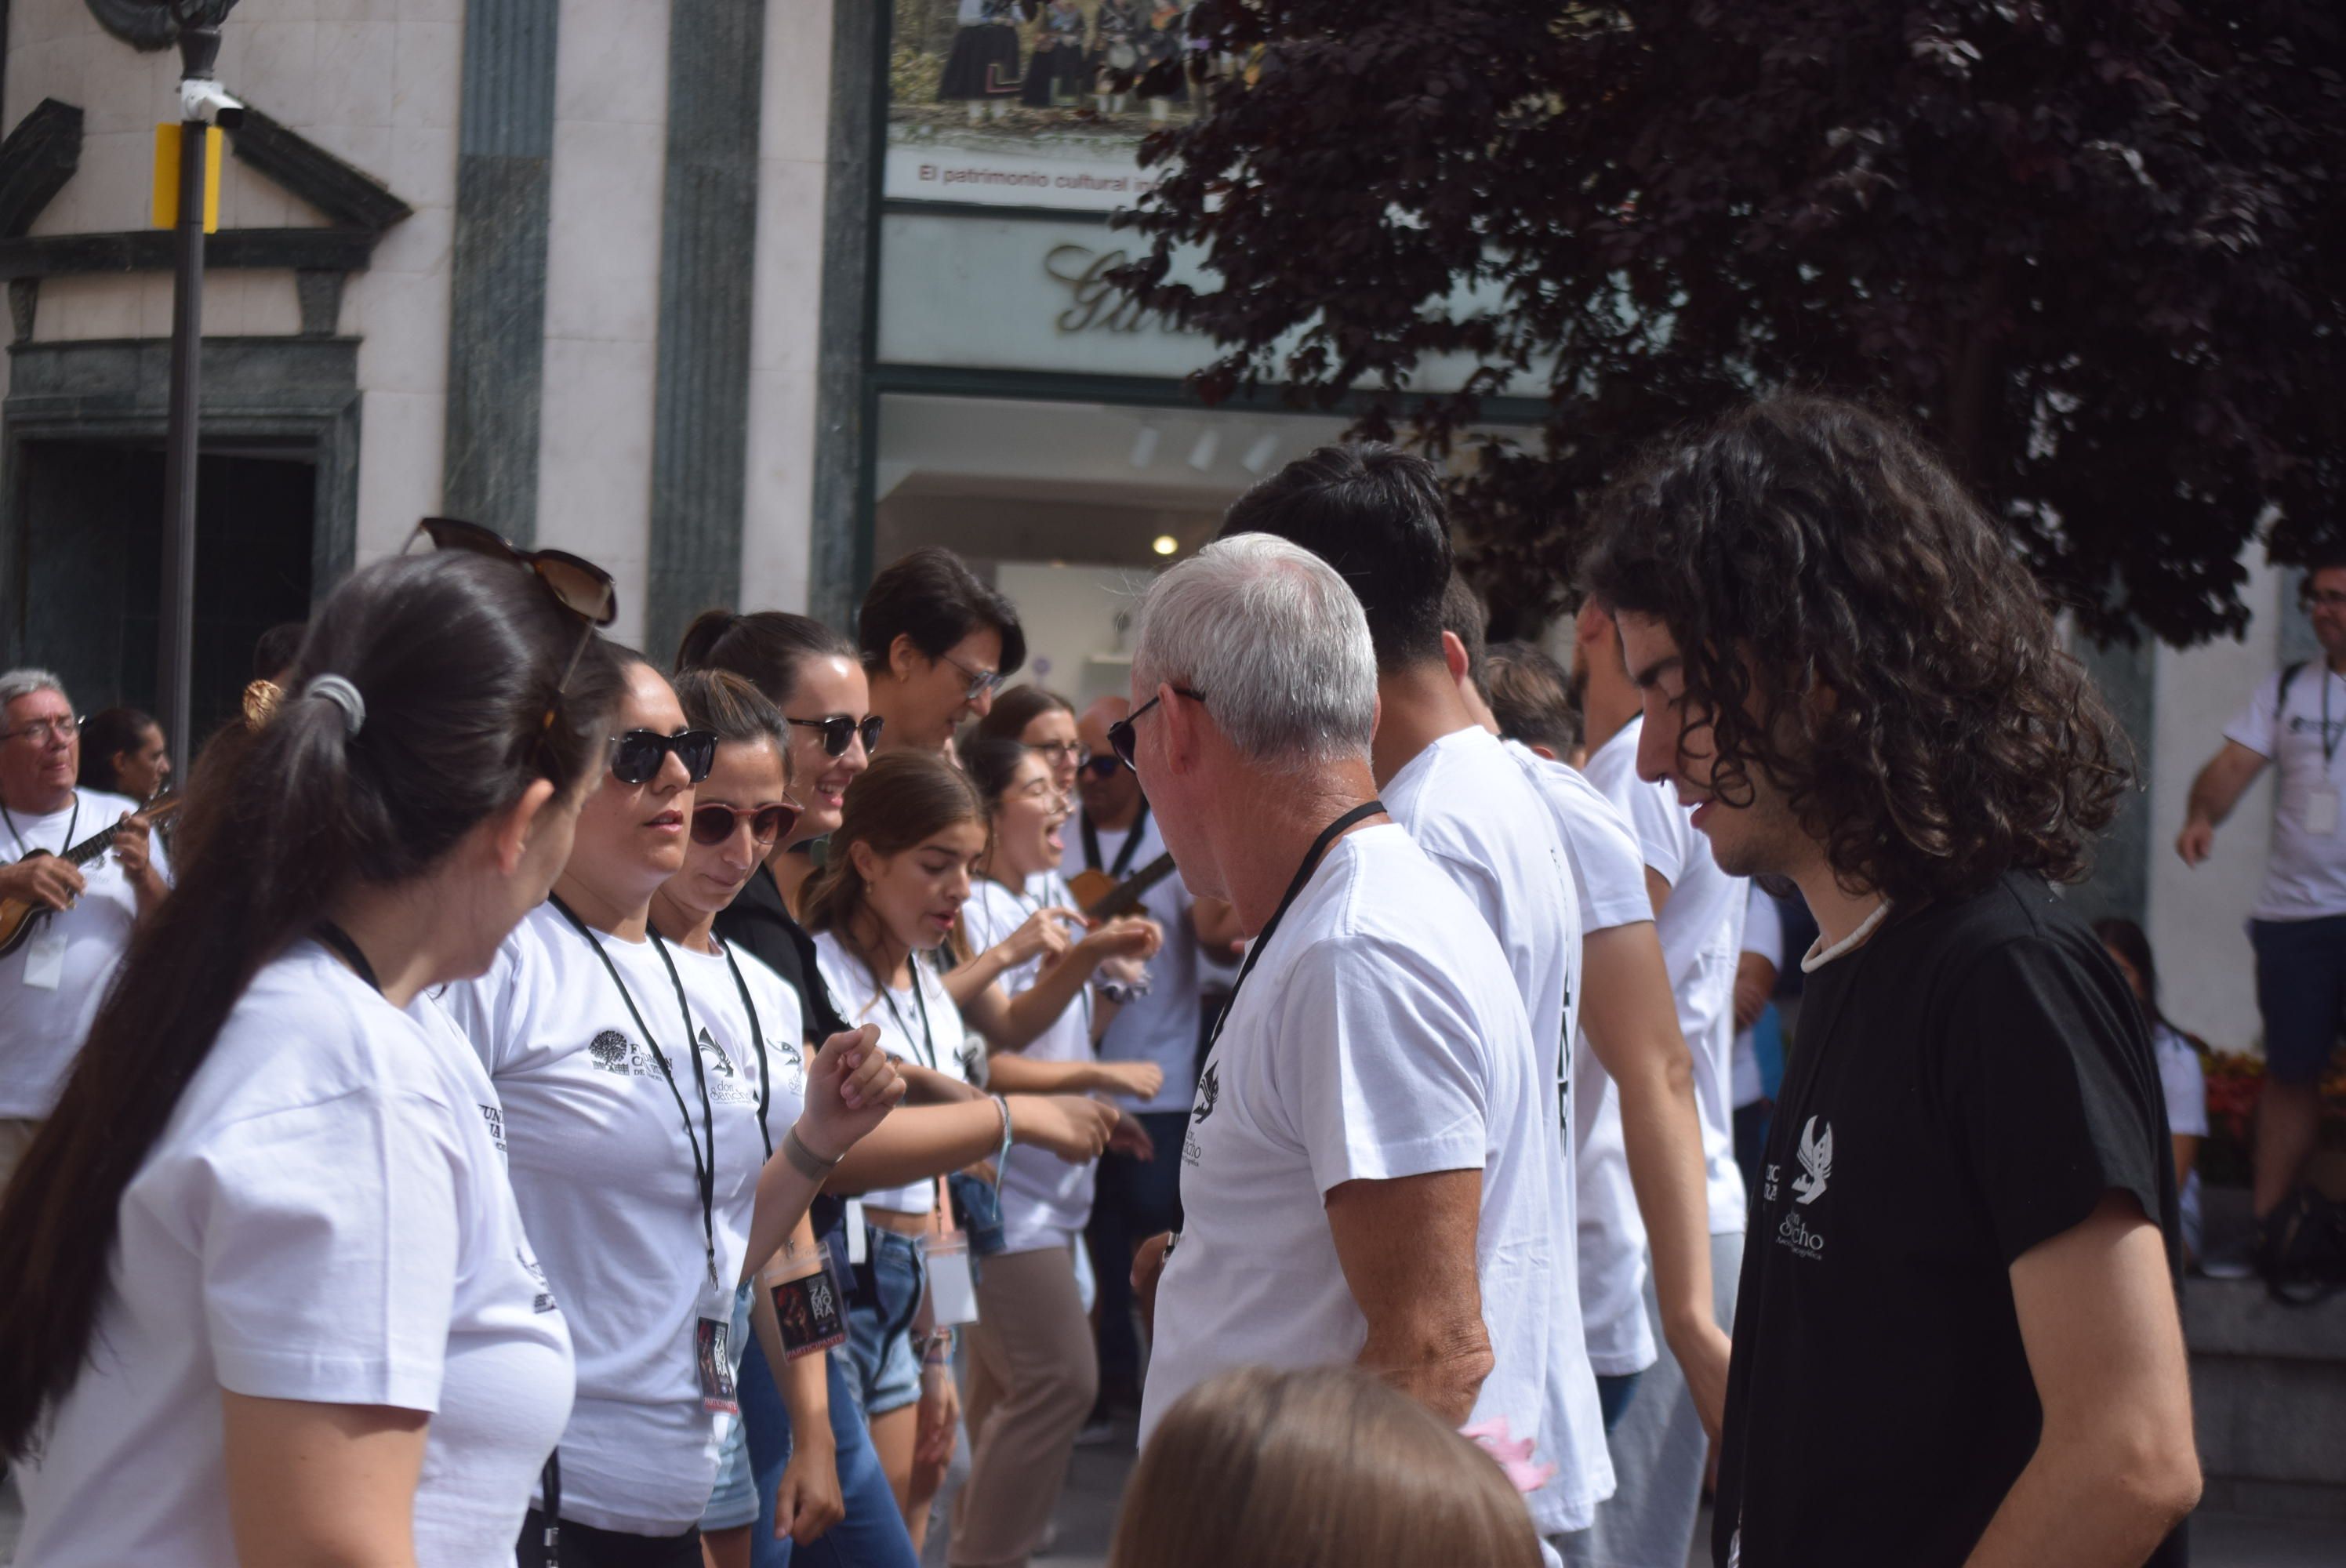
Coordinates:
(804, 1160)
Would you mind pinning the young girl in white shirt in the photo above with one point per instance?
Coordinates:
(626, 1070)
(285, 1311)
(890, 893)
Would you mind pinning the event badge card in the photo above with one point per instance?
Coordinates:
(2321, 811)
(807, 1302)
(712, 1349)
(953, 1290)
(45, 955)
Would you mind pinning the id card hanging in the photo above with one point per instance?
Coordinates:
(712, 1350)
(45, 958)
(2321, 811)
(806, 1301)
(945, 1251)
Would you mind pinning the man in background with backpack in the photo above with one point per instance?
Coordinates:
(2297, 721)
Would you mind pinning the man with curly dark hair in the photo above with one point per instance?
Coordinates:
(1957, 1339)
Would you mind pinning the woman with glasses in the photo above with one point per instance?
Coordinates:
(1043, 721)
(937, 644)
(626, 1073)
(286, 1309)
(812, 676)
(1033, 1374)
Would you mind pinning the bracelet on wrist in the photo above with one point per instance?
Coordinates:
(804, 1160)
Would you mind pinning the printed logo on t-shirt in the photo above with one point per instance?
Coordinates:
(1209, 1089)
(1816, 1159)
(615, 1053)
(496, 1117)
(727, 1086)
(543, 1300)
(973, 1060)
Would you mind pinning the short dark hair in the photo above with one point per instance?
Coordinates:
(931, 596)
(1016, 708)
(2127, 938)
(1464, 617)
(1531, 697)
(1805, 542)
(1374, 513)
(764, 648)
(2329, 556)
(105, 735)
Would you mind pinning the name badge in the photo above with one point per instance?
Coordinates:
(2321, 811)
(807, 1302)
(953, 1290)
(45, 956)
(712, 1350)
(859, 1245)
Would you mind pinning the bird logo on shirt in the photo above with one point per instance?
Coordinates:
(1209, 1089)
(1816, 1159)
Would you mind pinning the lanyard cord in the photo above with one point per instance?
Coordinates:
(74, 822)
(765, 1074)
(335, 937)
(1123, 856)
(2329, 738)
(921, 1000)
(1312, 860)
(704, 1171)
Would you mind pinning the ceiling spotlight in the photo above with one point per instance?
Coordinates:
(1165, 545)
(1258, 456)
(1202, 456)
(1144, 445)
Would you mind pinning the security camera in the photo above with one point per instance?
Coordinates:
(203, 98)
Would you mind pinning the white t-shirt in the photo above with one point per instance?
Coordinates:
(2305, 876)
(605, 1175)
(1702, 931)
(1379, 1036)
(1490, 829)
(1763, 934)
(935, 1037)
(1162, 1026)
(1045, 1201)
(42, 1028)
(2186, 1084)
(1610, 1244)
(325, 1218)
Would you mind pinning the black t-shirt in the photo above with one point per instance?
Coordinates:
(759, 921)
(1969, 1084)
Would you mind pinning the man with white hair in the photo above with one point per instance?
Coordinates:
(1367, 1173)
(51, 982)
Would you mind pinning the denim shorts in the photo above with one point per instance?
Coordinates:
(2301, 992)
(880, 1334)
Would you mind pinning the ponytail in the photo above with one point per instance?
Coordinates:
(453, 706)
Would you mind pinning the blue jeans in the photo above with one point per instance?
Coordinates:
(873, 1534)
(1613, 1396)
(1135, 1199)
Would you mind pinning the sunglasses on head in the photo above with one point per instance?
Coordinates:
(581, 586)
(1120, 733)
(839, 729)
(714, 824)
(638, 754)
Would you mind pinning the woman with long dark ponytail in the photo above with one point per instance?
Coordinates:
(269, 1296)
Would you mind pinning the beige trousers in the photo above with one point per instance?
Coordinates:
(1032, 1376)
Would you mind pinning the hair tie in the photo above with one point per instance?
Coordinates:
(342, 695)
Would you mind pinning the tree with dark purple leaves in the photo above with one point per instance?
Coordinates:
(2096, 249)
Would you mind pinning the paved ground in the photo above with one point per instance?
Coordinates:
(1087, 1522)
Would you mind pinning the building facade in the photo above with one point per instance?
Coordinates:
(735, 297)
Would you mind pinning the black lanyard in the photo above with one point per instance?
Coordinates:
(338, 939)
(704, 1170)
(1123, 856)
(2330, 737)
(765, 1076)
(921, 1000)
(74, 822)
(1311, 859)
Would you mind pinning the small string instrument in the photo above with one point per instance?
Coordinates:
(20, 918)
(1101, 897)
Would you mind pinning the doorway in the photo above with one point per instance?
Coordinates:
(91, 533)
